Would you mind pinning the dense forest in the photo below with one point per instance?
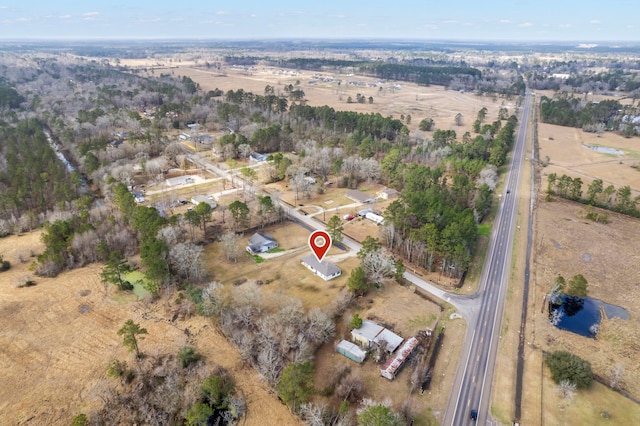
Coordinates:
(32, 179)
(571, 111)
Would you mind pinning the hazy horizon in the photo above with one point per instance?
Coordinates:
(465, 20)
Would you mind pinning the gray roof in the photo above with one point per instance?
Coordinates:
(257, 240)
(374, 332)
(325, 268)
(359, 196)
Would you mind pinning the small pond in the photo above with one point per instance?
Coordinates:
(136, 278)
(581, 315)
(604, 149)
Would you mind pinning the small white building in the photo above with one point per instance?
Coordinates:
(388, 194)
(325, 270)
(374, 218)
(197, 199)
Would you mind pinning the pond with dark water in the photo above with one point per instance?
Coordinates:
(582, 315)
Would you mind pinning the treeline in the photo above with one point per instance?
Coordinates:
(373, 125)
(268, 102)
(434, 223)
(429, 225)
(612, 80)
(32, 178)
(620, 200)
(421, 75)
(425, 75)
(570, 111)
(567, 110)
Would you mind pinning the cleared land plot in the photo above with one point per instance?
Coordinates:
(607, 256)
(565, 148)
(418, 101)
(60, 336)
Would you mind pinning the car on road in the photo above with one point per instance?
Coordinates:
(474, 415)
(508, 191)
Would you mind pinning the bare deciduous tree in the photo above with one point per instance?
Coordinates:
(616, 376)
(350, 388)
(566, 389)
(377, 265)
(230, 243)
(186, 260)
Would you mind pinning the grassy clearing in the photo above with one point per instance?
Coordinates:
(139, 281)
(589, 407)
(484, 229)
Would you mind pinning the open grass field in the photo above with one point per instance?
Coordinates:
(59, 337)
(565, 147)
(404, 99)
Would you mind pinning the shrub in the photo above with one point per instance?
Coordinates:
(356, 322)
(80, 420)
(187, 356)
(566, 366)
(4, 265)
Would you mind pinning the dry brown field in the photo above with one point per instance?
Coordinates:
(612, 270)
(565, 147)
(59, 337)
(419, 101)
(607, 255)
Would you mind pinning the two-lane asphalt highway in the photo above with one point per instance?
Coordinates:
(483, 310)
(474, 376)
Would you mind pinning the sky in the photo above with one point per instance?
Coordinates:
(483, 20)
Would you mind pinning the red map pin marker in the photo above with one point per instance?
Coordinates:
(320, 243)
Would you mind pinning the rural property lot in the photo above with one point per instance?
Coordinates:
(59, 337)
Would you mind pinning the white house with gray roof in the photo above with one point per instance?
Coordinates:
(260, 243)
(325, 270)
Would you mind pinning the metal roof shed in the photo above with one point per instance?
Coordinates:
(351, 351)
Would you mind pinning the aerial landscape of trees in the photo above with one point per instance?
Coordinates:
(118, 128)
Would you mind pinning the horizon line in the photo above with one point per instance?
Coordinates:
(307, 39)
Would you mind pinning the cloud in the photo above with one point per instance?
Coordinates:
(338, 16)
(526, 25)
(505, 21)
(65, 16)
(594, 21)
(222, 12)
(90, 16)
(450, 21)
(565, 25)
(23, 19)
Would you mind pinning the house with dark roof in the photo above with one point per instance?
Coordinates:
(359, 196)
(325, 270)
(260, 243)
